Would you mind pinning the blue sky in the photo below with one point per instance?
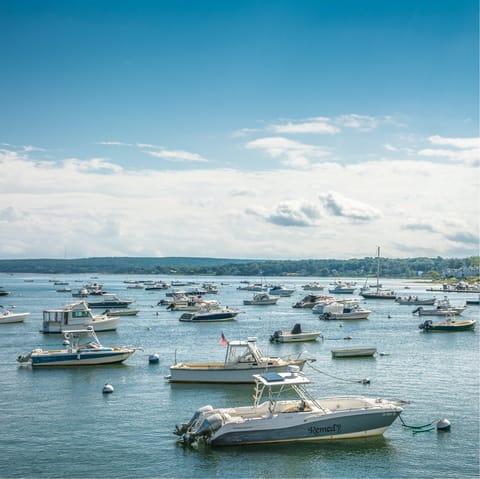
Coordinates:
(253, 129)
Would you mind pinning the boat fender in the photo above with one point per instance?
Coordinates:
(443, 425)
(107, 389)
(154, 358)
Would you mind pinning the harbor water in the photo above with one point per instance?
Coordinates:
(57, 423)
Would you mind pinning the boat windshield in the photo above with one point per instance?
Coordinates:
(242, 351)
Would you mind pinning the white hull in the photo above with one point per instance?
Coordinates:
(7, 318)
(251, 302)
(49, 359)
(440, 312)
(353, 352)
(290, 421)
(106, 324)
(219, 373)
(355, 315)
(286, 337)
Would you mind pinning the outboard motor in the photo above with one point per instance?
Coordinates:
(206, 428)
(185, 426)
(425, 325)
(274, 337)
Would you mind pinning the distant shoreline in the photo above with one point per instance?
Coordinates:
(418, 269)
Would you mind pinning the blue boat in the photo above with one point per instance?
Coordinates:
(84, 349)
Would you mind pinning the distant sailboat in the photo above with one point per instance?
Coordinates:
(378, 292)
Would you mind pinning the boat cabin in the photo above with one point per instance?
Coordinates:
(243, 352)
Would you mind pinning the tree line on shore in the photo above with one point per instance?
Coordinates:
(431, 268)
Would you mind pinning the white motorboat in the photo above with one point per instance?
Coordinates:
(277, 420)
(110, 301)
(84, 349)
(344, 310)
(258, 287)
(342, 287)
(192, 305)
(443, 308)
(261, 299)
(80, 293)
(280, 290)
(76, 316)
(319, 306)
(314, 286)
(294, 336)
(209, 315)
(243, 359)
(121, 312)
(8, 316)
(415, 300)
(309, 301)
(354, 352)
(378, 293)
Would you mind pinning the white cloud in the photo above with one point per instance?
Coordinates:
(244, 132)
(464, 150)
(318, 125)
(114, 143)
(328, 210)
(289, 213)
(358, 122)
(94, 164)
(338, 205)
(465, 143)
(293, 153)
(176, 155)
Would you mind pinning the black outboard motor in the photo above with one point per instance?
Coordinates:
(274, 337)
(425, 325)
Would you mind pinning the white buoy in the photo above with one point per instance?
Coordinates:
(443, 425)
(154, 358)
(108, 388)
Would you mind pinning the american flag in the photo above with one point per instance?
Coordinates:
(223, 340)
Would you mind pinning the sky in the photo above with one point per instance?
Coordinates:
(273, 129)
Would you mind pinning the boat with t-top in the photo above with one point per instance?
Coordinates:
(275, 419)
(83, 349)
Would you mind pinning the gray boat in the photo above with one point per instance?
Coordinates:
(275, 420)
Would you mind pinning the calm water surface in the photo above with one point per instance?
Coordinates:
(57, 423)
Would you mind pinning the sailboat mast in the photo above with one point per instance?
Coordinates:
(378, 266)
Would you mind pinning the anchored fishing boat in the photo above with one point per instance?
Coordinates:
(77, 316)
(295, 335)
(354, 352)
(243, 359)
(209, 314)
(84, 348)
(277, 420)
(451, 324)
(9, 316)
